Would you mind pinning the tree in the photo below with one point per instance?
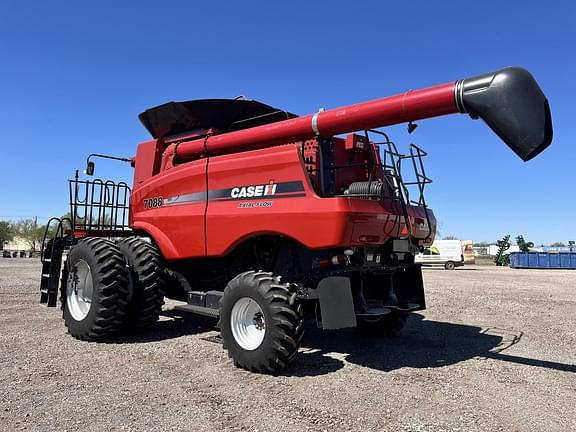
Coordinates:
(29, 231)
(558, 244)
(449, 237)
(6, 233)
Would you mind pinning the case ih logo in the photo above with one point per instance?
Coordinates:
(270, 190)
(254, 191)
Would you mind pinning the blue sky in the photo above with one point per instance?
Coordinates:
(74, 76)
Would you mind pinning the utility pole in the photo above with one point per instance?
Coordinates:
(35, 230)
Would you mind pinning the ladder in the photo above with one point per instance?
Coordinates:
(51, 269)
(52, 251)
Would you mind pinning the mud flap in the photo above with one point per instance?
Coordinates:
(336, 303)
(409, 287)
(403, 289)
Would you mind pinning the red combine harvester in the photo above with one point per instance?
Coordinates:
(262, 218)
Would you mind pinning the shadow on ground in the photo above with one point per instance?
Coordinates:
(173, 324)
(421, 344)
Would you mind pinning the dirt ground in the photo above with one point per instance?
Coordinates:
(495, 351)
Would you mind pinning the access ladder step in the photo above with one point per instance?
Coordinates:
(48, 298)
(200, 310)
(51, 269)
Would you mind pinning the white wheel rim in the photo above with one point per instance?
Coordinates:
(79, 290)
(248, 324)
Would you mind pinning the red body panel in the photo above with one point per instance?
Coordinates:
(191, 207)
(147, 161)
(314, 222)
(178, 229)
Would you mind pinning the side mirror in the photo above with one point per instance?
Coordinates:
(89, 169)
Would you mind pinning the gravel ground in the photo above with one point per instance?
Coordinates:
(494, 352)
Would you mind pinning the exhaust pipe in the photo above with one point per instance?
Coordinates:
(509, 101)
(512, 105)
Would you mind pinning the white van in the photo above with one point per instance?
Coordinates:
(443, 252)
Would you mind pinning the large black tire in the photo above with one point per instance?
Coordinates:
(279, 320)
(385, 325)
(450, 265)
(104, 279)
(146, 282)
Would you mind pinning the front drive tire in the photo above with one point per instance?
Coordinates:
(146, 282)
(261, 326)
(96, 289)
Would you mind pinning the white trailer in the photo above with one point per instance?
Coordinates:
(442, 252)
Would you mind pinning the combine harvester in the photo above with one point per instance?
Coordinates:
(262, 218)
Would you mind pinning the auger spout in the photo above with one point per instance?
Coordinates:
(512, 105)
(509, 101)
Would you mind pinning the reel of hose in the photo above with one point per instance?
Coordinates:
(372, 188)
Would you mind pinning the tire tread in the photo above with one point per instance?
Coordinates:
(146, 266)
(110, 280)
(285, 325)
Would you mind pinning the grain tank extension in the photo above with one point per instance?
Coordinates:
(262, 218)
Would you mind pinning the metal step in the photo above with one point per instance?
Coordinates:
(51, 269)
(379, 311)
(374, 311)
(406, 307)
(50, 299)
(200, 310)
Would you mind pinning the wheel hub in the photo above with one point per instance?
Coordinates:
(79, 290)
(259, 321)
(247, 323)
